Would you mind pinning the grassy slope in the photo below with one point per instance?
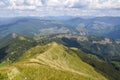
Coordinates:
(107, 69)
(50, 62)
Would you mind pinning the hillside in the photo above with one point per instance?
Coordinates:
(32, 27)
(18, 50)
(50, 62)
(103, 47)
(13, 46)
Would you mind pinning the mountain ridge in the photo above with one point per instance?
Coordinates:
(64, 62)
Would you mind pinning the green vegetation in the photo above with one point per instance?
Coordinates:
(83, 60)
(14, 49)
(108, 51)
(51, 62)
(105, 68)
(3, 76)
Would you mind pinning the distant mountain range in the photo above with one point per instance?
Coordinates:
(100, 26)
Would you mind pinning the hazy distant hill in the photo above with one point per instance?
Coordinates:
(100, 26)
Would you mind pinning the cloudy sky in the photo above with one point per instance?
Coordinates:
(59, 8)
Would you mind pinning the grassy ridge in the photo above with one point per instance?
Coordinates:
(51, 62)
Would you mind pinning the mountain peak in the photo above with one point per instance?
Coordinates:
(14, 35)
(53, 43)
(59, 57)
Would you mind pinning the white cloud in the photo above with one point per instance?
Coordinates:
(104, 4)
(2, 4)
(33, 2)
(91, 4)
(61, 7)
(23, 4)
(64, 3)
(53, 3)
